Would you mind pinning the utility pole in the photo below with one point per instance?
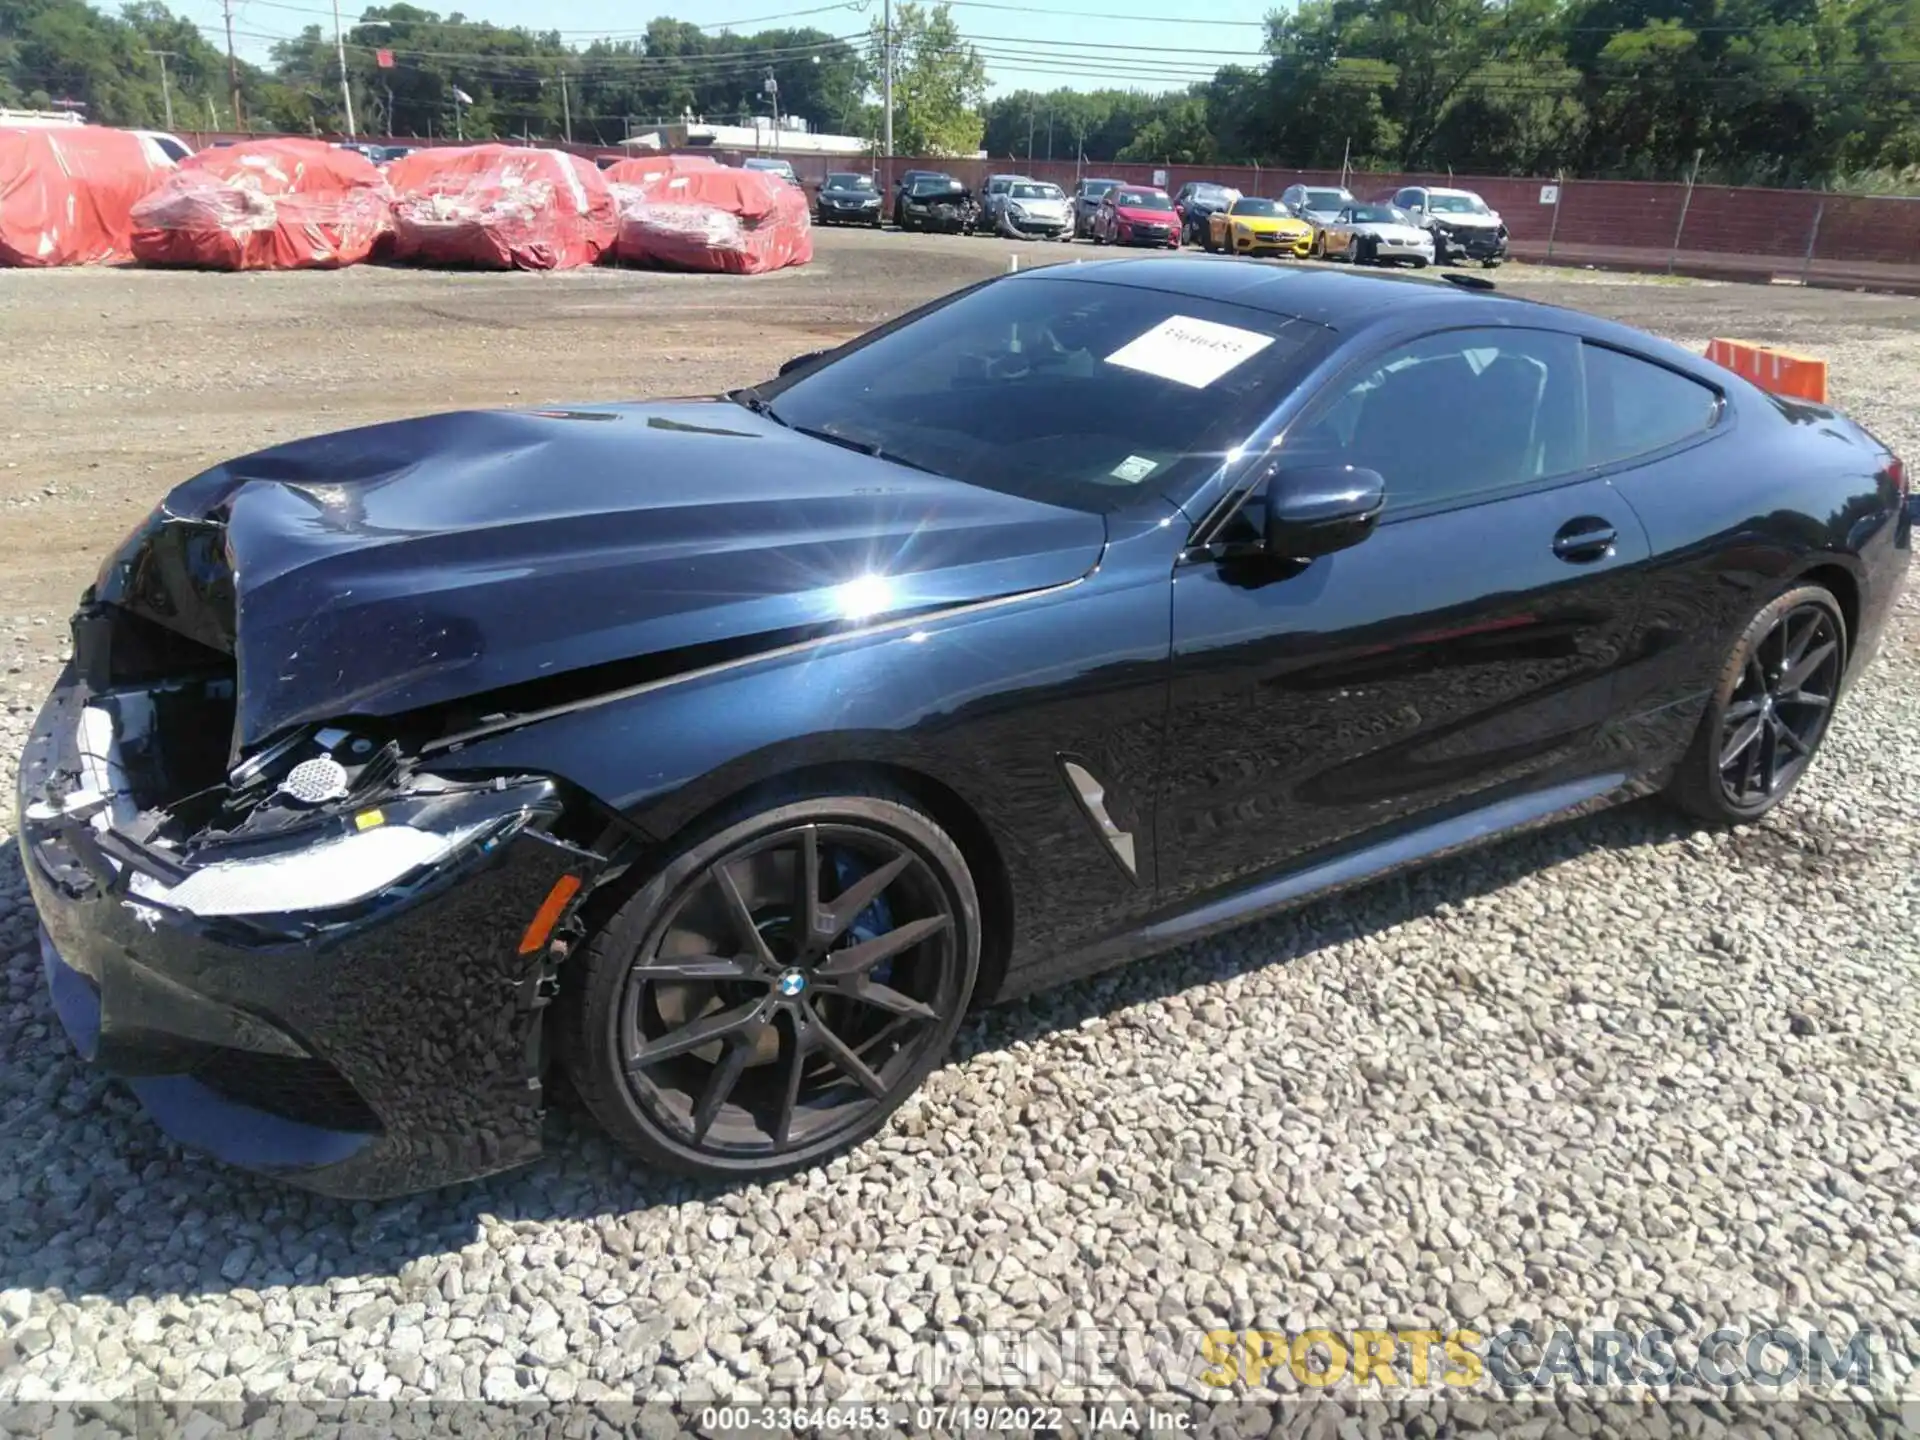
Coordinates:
(886, 75)
(1031, 115)
(346, 90)
(566, 107)
(166, 90)
(233, 66)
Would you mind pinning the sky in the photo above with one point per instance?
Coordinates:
(1084, 44)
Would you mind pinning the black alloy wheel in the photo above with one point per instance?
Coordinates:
(1770, 710)
(775, 992)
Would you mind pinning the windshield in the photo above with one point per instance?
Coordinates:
(1324, 199)
(1210, 192)
(1094, 189)
(1457, 204)
(1252, 206)
(936, 187)
(1037, 192)
(780, 165)
(1142, 200)
(1378, 215)
(1068, 391)
(838, 181)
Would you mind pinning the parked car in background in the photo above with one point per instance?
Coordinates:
(1196, 201)
(1136, 215)
(992, 191)
(373, 154)
(907, 180)
(1316, 204)
(1463, 226)
(1252, 225)
(848, 198)
(771, 166)
(171, 146)
(939, 203)
(1085, 198)
(1375, 235)
(1028, 209)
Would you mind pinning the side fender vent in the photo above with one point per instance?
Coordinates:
(1092, 796)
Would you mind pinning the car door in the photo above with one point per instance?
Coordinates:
(1464, 651)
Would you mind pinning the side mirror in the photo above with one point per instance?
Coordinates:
(1318, 509)
(799, 360)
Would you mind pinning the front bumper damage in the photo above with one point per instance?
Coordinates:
(386, 1039)
(1470, 242)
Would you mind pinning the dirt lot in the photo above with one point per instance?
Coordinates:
(1617, 1073)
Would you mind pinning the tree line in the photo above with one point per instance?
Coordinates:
(1787, 92)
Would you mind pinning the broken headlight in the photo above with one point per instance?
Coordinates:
(347, 859)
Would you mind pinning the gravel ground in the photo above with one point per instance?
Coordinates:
(1614, 1073)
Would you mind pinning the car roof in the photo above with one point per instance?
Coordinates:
(1338, 299)
(1444, 190)
(1349, 303)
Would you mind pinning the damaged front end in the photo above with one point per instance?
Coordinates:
(319, 958)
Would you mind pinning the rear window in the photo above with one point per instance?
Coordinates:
(1074, 392)
(1635, 407)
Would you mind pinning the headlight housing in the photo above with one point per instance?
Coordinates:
(348, 860)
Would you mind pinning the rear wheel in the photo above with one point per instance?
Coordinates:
(775, 992)
(1769, 712)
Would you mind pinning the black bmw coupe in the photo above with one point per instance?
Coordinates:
(725, 752)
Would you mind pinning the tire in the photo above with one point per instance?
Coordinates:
(742, 1006)
(1771, 705)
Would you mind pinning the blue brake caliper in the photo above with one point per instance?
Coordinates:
(876, 919)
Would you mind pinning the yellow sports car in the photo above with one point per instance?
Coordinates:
(1252, 226)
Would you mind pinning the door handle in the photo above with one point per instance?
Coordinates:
(1584, 540)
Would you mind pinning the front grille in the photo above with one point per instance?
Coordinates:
(299, 1088)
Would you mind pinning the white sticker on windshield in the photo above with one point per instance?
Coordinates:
(1134, 469)
(1189, 351)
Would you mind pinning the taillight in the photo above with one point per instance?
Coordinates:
(1897, 472)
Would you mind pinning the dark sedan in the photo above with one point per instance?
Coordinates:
(847, 198)
(726, 752)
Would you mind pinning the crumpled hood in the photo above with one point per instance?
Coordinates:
(381, 570)
(1465, 220)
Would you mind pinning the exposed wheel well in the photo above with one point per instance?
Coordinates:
(1838, 581)
(941, 804)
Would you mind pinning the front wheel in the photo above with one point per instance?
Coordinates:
(774, 992)
(1769, 712)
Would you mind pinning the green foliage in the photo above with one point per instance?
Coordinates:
(939, 82)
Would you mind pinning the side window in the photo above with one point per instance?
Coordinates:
(1453, 417)
(1635, 407)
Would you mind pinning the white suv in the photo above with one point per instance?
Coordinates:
(1464, 226)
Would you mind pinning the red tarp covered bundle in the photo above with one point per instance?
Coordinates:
(642, 169)
(265, 205)
(67, 193)
(501, 207)
(740, 222)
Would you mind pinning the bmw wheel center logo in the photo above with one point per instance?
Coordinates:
(792, 983)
